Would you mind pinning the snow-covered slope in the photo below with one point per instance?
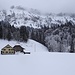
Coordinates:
(18, 16)
(31, 45)
(38, 64)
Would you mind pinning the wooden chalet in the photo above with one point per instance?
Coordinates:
(7, 50)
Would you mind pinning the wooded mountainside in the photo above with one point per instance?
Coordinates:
(55, 38)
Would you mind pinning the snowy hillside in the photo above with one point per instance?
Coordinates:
(30, 46)
(19, 16)
(38, 64)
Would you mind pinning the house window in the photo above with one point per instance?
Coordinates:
(6, 51)
(12, 52)
(8, 47)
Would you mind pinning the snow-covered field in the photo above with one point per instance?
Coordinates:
(38, 64)
(31, 45)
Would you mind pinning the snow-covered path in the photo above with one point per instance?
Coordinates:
(31, 45)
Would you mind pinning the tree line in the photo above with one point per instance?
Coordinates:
(22, 33)
(61, 38)
(13, 33)
(57, 38)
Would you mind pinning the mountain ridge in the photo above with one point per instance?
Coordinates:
(19, 16)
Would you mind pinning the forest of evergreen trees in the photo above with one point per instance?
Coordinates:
(56, 38)
(12, 33)
(22, 33)
(61, 38)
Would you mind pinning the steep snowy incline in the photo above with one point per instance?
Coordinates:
(31, 45)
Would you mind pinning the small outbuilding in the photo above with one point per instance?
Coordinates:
(18, 48)
(7, 50)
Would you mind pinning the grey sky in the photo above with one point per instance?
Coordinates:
(54, 6)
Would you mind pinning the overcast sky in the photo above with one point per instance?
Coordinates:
(54, 6)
